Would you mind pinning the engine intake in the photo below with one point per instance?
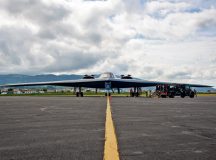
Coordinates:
(126, 76)
(88, 76)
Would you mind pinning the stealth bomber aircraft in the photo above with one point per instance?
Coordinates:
(109, 81)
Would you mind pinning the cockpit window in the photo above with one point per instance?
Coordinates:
(107, 75)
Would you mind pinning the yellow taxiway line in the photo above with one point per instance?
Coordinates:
(111, 145)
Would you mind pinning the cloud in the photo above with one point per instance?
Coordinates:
(15, 43)
(163, 8)
(37, 11)
(213, 60)
(157, 40)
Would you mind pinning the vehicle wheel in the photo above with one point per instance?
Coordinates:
(182, 95)
(171, 96)
(109, 94)
(105, 94)
(192, 95)
(163, 96)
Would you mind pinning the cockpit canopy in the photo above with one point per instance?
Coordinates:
(107, 75)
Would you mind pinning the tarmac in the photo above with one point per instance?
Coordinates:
(62, 128)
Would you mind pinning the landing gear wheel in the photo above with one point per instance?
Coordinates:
(132, 94)
(136, 94)
(79, 94)
(107, 94)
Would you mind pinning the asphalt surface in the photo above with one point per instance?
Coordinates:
(62, 128)
(166, 129)
(51, 128)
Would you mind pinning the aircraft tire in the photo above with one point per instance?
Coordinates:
(81, 94)
(77, 94)
(136, 94)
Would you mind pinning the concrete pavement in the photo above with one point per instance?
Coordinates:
(65, 128)
(170, 129)
(48, 128)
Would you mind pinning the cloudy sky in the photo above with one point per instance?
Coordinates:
(167, 40)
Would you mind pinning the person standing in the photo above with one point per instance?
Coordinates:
(195, 93)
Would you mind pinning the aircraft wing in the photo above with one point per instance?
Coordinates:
(100, 83)
(127, 83)
(89, 83)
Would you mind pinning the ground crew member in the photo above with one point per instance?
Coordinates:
(195, 93)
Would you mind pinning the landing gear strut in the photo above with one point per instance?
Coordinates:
(107, 94)
(135, 92)
(80, 93)
(118, 90)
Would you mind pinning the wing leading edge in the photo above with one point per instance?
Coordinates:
(100, 83)
(127, 83)
(91, 83)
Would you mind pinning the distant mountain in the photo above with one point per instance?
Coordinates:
(205, 89)
(19, 78)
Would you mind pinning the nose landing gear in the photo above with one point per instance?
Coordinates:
(79, 94)
(136, 92)
(107, 94)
